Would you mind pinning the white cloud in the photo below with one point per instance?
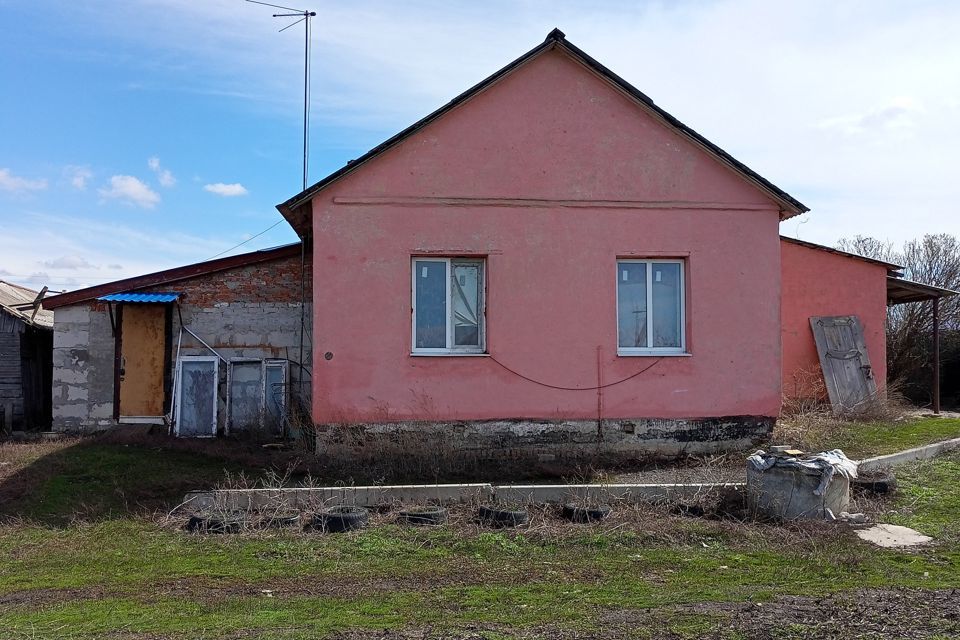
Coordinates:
(164, 176)
(804, 93)
(898, 114)
(132, 191)
(78, 176)
(69, 262)
(127, 250)
(16, 184)
(226, 190)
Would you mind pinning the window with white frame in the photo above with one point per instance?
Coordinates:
(650, 307)
(448, 305)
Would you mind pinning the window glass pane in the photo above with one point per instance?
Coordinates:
(465, 295)
(430, 278)
(276, 392)
(245, 387)
(632, 304)
(198, 393)
(665, 282)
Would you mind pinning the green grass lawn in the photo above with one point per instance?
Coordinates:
(860, 440)
(863, 440)
(107, 568)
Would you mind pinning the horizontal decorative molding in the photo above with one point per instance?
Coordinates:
(419, 201)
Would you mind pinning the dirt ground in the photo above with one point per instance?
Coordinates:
(867, 614)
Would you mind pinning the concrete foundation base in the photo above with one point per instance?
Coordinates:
(563, 442)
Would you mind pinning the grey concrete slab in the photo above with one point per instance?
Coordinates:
(604, 493)
(892, 536)
(315, 497)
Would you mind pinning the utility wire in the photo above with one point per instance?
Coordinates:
(246, 241)
(595, 388)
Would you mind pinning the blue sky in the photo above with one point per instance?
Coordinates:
(136, 136)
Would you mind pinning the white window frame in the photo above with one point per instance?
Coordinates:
(284, 366)
(450, 349)
(265, 395)
(228, 423)
(649, 350)
(216, 391)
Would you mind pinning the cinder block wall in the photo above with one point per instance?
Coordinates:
(248, 312)
(83, 366)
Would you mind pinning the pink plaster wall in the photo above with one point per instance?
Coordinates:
(554, 131)
(820, 283)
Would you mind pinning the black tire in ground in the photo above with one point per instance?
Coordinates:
(281, 520)
(576, 513)
(339, 519)
(423, 516)
(502, 516)
(207, 523)
(880, 484)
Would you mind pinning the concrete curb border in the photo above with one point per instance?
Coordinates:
(373, 496)
(917, 453)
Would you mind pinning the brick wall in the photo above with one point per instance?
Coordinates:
(245, 312)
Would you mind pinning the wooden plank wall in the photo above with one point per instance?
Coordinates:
(11, 390)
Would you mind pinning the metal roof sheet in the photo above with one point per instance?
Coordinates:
(18, 301)
(140, 297)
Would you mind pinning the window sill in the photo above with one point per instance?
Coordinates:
(449, 354)
(653, 354)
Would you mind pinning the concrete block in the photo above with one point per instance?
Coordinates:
(64, 374)
(77, 392)
(71, 338)
(102, 410)
(783, 493)
(76, 313)
(76, 410)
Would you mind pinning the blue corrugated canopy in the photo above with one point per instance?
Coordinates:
(140, 297)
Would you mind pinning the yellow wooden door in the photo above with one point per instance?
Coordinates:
(142, 349)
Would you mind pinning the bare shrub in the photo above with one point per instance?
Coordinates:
(935, 260)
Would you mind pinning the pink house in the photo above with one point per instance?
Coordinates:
(549, 266)
(548, 259)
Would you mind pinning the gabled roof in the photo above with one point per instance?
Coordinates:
(892, 269)
(300, 219)
(176, 274)
(19, 301)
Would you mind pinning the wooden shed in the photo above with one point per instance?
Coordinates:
(26, 348)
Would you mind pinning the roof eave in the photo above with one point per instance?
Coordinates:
(914, 291)
(893, 270)
(175, 274)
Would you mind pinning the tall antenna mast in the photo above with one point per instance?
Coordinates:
(304, 16)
